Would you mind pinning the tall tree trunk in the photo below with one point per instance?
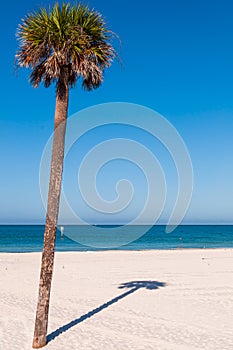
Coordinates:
(41, 322)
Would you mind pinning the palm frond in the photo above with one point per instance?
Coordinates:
(66, 35)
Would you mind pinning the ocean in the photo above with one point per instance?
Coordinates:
(29, 238)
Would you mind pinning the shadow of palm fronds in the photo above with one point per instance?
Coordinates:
(142, 284)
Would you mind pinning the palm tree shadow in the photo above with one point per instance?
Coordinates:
(132, 286)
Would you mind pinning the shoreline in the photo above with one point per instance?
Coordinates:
(126, 250)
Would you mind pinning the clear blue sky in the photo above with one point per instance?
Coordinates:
(177, 59)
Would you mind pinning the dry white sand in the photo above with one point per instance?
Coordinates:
(193, 310)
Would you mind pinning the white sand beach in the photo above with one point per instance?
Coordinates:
(181, 300)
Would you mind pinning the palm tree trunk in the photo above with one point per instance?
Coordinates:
(41, 323)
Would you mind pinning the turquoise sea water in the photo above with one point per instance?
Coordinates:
(29, 238)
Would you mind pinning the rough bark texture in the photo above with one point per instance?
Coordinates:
(41, 323)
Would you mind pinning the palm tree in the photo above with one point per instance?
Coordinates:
(61, 45)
